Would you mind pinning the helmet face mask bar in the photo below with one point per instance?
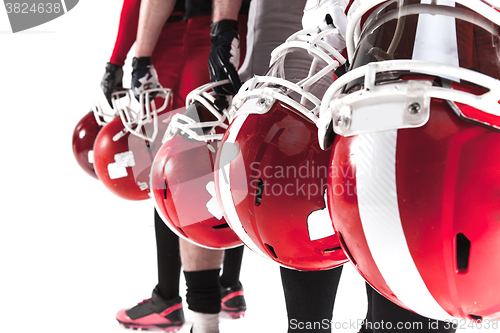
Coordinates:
(392, 89)
(405, 103)
(103, 117)
(303, 94)
(193, 123)
(134, 121)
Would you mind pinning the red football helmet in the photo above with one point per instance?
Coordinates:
(271, 174)
(125, 148)
(414, 180)
(182, 178)
(84, 136)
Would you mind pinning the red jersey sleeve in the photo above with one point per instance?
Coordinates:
(127, 31)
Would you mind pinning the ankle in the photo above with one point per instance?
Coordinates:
(205, 322)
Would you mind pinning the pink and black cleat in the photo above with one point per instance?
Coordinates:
(233, 302)
(154, 313)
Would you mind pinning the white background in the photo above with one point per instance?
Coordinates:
(71, 253)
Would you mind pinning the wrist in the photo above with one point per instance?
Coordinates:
(111, 67)
(221, 26)
(141, 62)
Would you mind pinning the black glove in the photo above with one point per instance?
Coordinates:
(144, 76)
(224, 57)
(111, 80)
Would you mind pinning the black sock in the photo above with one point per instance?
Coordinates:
(169, 261)
(231, 267)
(369, 311)
(203, 291)
(384, 311)
(309, 298)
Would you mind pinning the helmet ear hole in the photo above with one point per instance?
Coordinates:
(258, 192)
(476, 318)
(165, 189)
(333, 249)
(221, 226)
(182, 231)
(462, 252)
(271, 249)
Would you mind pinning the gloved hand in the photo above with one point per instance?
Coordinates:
(224, 58)
(325, 14)
(111, 80)
(144, 76)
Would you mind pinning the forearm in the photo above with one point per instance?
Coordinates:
(226, 10)
(153, 15)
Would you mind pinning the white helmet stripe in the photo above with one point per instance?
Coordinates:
(377, 189)
(225, 188)
(436, 37)
(375, 160)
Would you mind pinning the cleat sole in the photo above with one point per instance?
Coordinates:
(171, 329)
